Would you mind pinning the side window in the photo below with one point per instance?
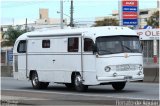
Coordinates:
(45, 43)
(88, 43)
(22, 46)
(73, 44)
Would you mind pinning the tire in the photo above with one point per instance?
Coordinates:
(44, 85)
(118, 86)
(36, 84)
(69, 85)
(78, 84)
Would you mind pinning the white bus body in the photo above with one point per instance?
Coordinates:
(79, 57)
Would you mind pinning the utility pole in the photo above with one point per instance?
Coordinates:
(61, 13)
(71, 12)
(26, 25)
(13, 21)
(158, 4)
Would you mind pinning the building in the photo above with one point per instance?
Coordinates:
(114, 15)
(43, 14)
(1, 34)
(46, 20)
(144, 15)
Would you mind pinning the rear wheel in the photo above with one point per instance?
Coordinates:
(36, 83)
(118, 86)
(79, 86)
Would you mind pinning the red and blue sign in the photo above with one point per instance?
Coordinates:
(129, 9)
(130, 3)
(130, 12)
(130, 22)
(130, 15)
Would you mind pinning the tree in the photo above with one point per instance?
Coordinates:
(154, 20)
(11, 35)
(107, 22)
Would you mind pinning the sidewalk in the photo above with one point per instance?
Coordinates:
(151, 65)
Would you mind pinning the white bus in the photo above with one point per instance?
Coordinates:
(79, 58)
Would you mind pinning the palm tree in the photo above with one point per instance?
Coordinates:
(154, 20)
(11, 35)
(107, 22)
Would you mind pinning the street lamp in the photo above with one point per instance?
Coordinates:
(58, 12)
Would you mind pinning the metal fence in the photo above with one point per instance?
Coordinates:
(6, 57)
(148, 51)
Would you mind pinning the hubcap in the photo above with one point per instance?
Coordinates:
(78, 81)
(35, 80)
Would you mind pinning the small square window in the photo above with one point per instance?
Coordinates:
(45, 43)
(73, 44)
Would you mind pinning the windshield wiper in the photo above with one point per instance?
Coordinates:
(128, 48)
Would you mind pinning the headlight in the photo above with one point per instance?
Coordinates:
(107, 68)
(140, 67)
(139, 73)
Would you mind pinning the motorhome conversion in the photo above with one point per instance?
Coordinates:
(79, 58)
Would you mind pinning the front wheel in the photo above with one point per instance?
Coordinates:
(118, 86)
(36, 83)
(79, 86)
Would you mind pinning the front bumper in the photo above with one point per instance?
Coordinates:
(120, 78)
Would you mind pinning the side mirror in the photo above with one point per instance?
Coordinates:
(94, 48)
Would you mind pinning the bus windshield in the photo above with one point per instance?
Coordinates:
(118, 44)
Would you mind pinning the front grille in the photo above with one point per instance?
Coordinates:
(127, 67)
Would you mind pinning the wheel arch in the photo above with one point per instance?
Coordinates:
(31, 72)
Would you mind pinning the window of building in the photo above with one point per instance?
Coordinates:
(45, 43)
(3, 57)
(73, 44)
(88, 44)
(145, 19)
(143, 13)
(22, 46)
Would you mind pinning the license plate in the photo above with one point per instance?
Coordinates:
(128, 77)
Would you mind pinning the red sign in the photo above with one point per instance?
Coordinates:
(130, 15)
(129, 2)
(129, 12)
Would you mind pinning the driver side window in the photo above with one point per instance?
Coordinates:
(88, 45)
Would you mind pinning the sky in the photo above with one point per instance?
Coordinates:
(84, 10)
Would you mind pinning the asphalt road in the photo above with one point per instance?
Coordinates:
(134, 94)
